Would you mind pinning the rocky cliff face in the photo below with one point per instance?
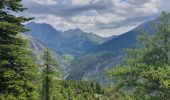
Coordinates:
(37, 48)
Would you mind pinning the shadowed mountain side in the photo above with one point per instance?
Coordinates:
(107, 55)
(73, 41)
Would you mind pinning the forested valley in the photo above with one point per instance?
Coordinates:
(143, 73)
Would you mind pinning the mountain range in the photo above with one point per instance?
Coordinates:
(72, 41)
(92, 64)
(85, 55)
(65, 45)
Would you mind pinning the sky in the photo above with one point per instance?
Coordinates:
(102, 17)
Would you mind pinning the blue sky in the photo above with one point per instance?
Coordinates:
(102, 17)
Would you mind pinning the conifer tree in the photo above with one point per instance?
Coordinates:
(146, 71)
(17, 69)
(49, 73)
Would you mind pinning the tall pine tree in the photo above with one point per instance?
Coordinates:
(17, 69)
(49, 73)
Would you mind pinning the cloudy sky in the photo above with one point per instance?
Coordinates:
(102, 17)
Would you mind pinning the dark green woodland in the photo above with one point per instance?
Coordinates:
(142, 73)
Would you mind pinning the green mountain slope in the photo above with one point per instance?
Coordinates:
(92, 64)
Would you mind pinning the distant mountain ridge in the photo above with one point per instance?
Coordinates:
(93, 54)
(73, 41)
(95, 61)
(65, 45)
(125, 40)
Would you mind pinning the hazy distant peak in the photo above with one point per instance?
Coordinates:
(74, 30)
(72, 41)
(34, 23)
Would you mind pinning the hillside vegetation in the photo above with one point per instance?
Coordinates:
(144, 74)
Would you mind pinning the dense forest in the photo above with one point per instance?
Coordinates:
(144, 73)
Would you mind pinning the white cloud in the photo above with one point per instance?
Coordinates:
(136, 8)
(55, 21)
(116, 31)
(81, 2)
(99, 16)
(44, 2)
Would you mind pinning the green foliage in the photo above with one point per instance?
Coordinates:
(78, 90)
(48, 73)
(87, 63)
(18, 72)
(13, 5)
(145, 72)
